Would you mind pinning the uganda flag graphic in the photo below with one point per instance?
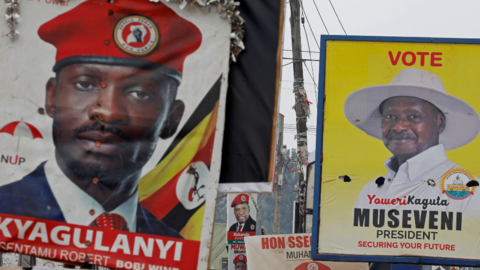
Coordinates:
(174, 191)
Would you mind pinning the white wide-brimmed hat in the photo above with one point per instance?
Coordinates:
(463, 122)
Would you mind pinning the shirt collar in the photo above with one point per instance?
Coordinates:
(76, 204)
(422, 162)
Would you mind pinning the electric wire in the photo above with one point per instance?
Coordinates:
(300, 59)
(308, 22)
(316, 87)
(337, 17)
(311, 64)
(318, 11)
(293, 81)
(301, 51)
(294, 126)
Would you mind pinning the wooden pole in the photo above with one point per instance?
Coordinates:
(300, 104)
(279, 178)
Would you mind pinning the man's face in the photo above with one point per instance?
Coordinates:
(242, 212)
(410, 125)
(240, 266)
(107, 119)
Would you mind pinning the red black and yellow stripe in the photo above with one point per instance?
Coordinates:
(157, 189)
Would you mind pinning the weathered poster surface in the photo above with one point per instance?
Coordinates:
(10, 259)
(399, 173)
(111, 122)
(47, 264)
(289, 252)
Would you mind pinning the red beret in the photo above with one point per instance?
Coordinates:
(134, 33)
(312, 266)
(240, 258)
(241, 198)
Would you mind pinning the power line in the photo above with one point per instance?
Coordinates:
(338, 17)
(311, 64)
(308, 22)
(294, 125)
(316, 96)
(294, 131)
(324, 25)
(293, 81)
(301, 59)
(301, 51)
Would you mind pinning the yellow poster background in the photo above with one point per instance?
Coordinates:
(351, 65)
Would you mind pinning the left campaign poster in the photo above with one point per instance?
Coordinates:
(111, 123)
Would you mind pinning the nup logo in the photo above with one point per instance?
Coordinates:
(19, 129)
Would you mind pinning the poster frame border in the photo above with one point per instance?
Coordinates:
(319, 150)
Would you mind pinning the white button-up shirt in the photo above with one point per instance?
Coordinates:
(76, 204)
(411, 179)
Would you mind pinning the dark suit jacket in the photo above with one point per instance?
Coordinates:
(32, 197)
(247, 226)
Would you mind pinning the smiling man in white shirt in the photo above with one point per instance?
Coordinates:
(417, 121)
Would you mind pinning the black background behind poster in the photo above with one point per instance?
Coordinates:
(252, 96)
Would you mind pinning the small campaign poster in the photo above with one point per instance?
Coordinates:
(241, 217)
(10, 259)
(237, 258)
(289, 252)
(47, 263)
(111, 126)
(399, 175)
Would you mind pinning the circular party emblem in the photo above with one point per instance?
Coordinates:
(312, 266)
(241, 257)
(454, 184)
(243, 198)
(136, 35)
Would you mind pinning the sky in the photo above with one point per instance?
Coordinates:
(406, 18)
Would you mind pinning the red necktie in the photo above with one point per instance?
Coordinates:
(240, 226)
(110, 221)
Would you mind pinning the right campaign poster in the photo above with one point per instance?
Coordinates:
(399, 175)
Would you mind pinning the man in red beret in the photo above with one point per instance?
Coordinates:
(240, 262)
(118, 66)
(241, 209)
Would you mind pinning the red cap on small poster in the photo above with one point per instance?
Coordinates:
(240, 258)
(241, 198)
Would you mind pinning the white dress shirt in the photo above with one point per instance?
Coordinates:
(411, 179)
(76, 204)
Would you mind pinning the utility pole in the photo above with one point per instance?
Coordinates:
(302, 109)
(279, 174)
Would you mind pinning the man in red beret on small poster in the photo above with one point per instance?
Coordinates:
(118, 67)
(240, 262)
(241, 210)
